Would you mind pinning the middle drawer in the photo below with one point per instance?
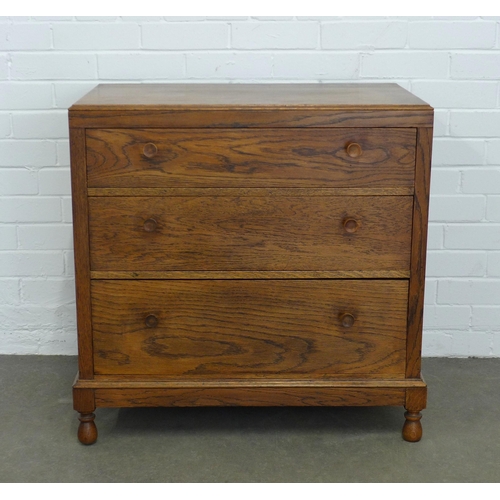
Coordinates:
(245, 233)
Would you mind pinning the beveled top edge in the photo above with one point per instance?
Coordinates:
(343, 96)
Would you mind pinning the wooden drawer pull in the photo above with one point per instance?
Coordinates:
(347, 320)
(150, 225)
(351, 225)
(151, 321)
(150, 150)
(353, 150)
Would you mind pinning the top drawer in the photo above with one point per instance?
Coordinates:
(351, 157)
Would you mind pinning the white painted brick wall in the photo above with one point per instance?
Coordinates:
(47, 63)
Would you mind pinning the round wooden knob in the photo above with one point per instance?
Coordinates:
(353, 150)
(151, 321)
(351, 225)
(150, 225)
(149, 150)
(347, 320)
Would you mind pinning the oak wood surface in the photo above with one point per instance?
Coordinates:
(250, 158)
(210, 275)
(178, 382)
(81, 252)
(236, 96)
(250, 233)
(152, 192)
(243, 396)
(258, 327)
(418, 251)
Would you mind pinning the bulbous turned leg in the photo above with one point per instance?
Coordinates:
(412, 429)
(87, 430)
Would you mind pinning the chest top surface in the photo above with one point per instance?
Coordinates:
(350, 95)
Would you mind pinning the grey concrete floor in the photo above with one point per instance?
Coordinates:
(38, 441)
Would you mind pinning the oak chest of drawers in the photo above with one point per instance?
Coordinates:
(250, 245)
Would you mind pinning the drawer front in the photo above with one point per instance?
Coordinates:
(250, 327)
(354, 157)
(250, 233)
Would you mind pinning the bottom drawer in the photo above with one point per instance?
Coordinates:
(236, 328)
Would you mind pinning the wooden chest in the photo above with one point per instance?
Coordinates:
(250, 245)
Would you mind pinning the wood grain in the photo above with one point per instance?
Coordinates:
(250, 233)
(250, 158)
(211, 275)
(81, 253)
(153, 192)
(418, 252)
(258, 327)
(293, 396)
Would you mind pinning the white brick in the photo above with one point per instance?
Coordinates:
(484, 180)
(446, 317)
(185, 36)
(475, 123)
(494, 264)
(45, 236)
(19, 341)
(9, 290)
(436, 344)
(8, 238)
(441, 118)
(67, 93)
(184, 18)
(364, 35)
(486, 317)
(53, 66)
(445, 181)
(446, 263)
(40, 125)
(480, 292)
(27, 153)
(55, 181)
(493, 152)
(457, 152)
(69, 263)
(95, 36)
(452, 94)
(296, 35)
(493, 209)
(141, 66)
(15, 95)
(476, 66)
(4, 67)
(102, 19)
(316, 65)
(434, 236)
(452, 35)
(273, 18)
(20, 36)
(52, 18)
(34, 317)
(469, 344)
(62, 342)
(63, 158)
(5, 128)
(430, 291)
(457, 208)
(472, 236)
(67, 210)
(30, 209)
(229, 65)
(31, 264)
(404, 65)
(17, 181)
(48, 291)
(141, 19)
